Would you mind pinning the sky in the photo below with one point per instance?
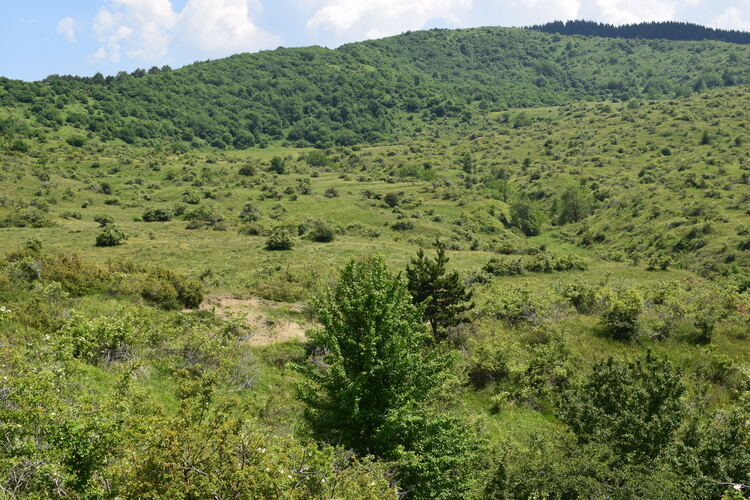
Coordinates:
(82, 37)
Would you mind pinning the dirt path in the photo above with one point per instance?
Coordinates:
(263, 330)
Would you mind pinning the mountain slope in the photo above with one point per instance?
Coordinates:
(359, 92)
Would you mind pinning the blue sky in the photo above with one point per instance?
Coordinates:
(82, 37)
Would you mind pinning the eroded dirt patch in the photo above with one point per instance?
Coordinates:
(264, 330)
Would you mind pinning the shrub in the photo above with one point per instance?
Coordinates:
(634, 407)
(248, 170)
(621, 318)
(331, 192)
(402, 225)
(27, 217)
(392, 199)
(488, 358)
(321, 232)
(581, 296)
(527, 216)
(99, 339)
(317, 159)
(277, 165)
(544, 262)
(76, 141)
(504, 267)
(203, 214)
(19, 146)
(575, 204)
(188, 292)
(250, 213)
(516, 305)
(109, 237)
(191, 198)
(281, 238)
(104, 220)
(159, 214)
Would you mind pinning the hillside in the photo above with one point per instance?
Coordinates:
(666, 30)
(186, 320)
(354, 94)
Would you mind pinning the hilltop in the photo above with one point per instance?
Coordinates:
(363, 92)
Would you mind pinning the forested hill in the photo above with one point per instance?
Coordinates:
(361, 92)
(668, 30)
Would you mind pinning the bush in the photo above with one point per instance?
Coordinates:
(111, 236)
(402, 225)
(191, 198)
(277, 165)
(157, 215)
(250, 213)
(317, 159)
(321, 232)
(100, 339)
(546, 263)
(504, 267)
(392, 199)
(281, 238)
(488, 358)
(76, 141)
(621, 318)
(634, 407)
(526, 216)
(248, 170)
(516, 305)
(582, 297)
(27, 217)
(104, 220)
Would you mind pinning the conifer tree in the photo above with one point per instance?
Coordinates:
(445, 295)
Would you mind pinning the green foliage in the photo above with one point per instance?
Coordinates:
(442, 294)
(76, 141)
(317, 158)
(97, 340)
(27, 217)
(527, 216)
(157, 214)
(104, 220)
(110, 236)
(583, 297)
(281, 238)
(250, 213)
(634, 407)
(544, 262)
(516, 305)
(503, 266)
(575, 204)
(321, 232)
(621, 317)
(377, 378)
(277, 165)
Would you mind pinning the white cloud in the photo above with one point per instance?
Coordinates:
(734, 18)
(561, 10)
(635, 11)
(376, 18)
(147, 30)
(67, 28)
(223, 26)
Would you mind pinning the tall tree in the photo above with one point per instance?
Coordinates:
(443, 295)
(374, 386)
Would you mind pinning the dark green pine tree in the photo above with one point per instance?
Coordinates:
(446, 296)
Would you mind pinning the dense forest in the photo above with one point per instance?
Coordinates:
(664, 30)
(483, 264)
(361, 92)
